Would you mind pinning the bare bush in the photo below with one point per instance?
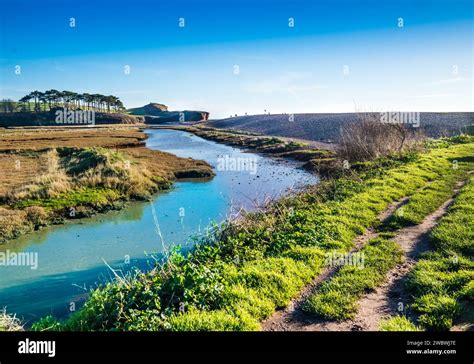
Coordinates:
(37, 215)
(12, 224)
(368, 138)
(9, 323)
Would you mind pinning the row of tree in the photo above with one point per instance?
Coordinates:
(47, 100)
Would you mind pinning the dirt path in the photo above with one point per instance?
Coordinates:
(380, 304)
(284, 320)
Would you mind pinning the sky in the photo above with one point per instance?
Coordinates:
(245, 56)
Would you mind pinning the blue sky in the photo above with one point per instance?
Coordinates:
(340, 56)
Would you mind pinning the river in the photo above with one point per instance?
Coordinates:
(71, 257)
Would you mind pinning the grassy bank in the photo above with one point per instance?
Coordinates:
(241, 273)
(65, 174)
(337, 298)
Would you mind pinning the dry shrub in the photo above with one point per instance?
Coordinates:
(9, 323)
(12, 224)
(37, 215)
(368, 138)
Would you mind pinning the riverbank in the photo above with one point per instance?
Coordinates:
(245, 271)
(50, 175)
(314, 159)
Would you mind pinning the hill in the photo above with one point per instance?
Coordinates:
(152, 108)
(155, 113)
(325, 127)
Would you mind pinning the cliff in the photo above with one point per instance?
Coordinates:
(155, 113)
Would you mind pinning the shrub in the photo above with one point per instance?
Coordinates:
(9, 323)
(12, 224)
(37, 215)
(398, 323)
(437, 311)
(109, 307)
(47, 323)
(368, 138)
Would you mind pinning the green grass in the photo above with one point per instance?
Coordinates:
(430, 198)
(443, 280)
(238, 275)
(99, 198)
(437, 311)
(398, 323)
(337, 298)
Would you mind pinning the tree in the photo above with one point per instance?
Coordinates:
(75, 99)
(119, 105)
(35, 95)
(8, 105)
(55, 97)
(87, 99)
(51, 98)
(26, 102)
(67, 98)
(43, 98)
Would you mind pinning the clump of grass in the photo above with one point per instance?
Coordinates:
(398, 323)
(104, 168)
(9, 323)
(438, 311)
(219, 320)
(441, 274)
(12, 224)
(337, 298)
(38, 216)
(46, 173)
(47, 323)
